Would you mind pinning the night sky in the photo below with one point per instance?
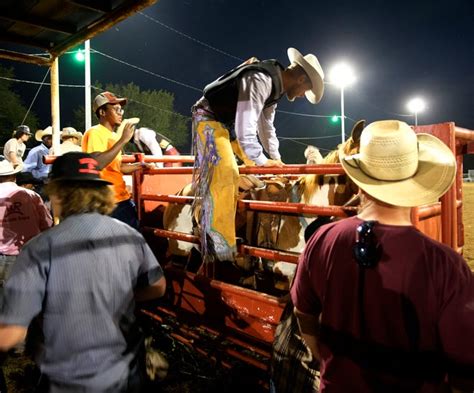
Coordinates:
(398, 50)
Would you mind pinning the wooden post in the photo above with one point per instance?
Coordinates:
(55, 117)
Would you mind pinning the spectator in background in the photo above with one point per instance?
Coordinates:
(151, 142)
(70, 141)
(34, 161)
(169, 150)
(82, 278)
(145, 140)
(26, 180)
(23, 215)
(383, 307)
(102, 138)
(15, 148)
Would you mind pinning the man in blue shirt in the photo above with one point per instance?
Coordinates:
(34, 160)
(79, 281)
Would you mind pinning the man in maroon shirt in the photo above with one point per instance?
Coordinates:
(383, 307)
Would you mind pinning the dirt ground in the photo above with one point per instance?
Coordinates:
(468, 219)
(20, 372)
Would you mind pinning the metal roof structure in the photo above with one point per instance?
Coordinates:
(54, 26)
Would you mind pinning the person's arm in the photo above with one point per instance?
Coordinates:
(23, 293)
(304, 295)
(153, 291)
(267, 133)
(309, 327)
(128, 169)
(44, 216)
(10, 152)
(11, 335)
(106, 157)
(455, 286)
(31, 161)
(254, 89)
(13, 158)
(151, 282)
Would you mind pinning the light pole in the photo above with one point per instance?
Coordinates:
(87, 78)
(85, 56)
(342, 75)
(416, 105)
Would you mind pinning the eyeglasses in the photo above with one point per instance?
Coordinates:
(118, 110)
(367, 251)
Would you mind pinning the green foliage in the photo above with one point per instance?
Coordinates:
(155, 110)
(12, 109)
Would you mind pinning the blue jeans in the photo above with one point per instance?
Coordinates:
(126, 212)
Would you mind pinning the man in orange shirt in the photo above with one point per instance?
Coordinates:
(103, 138)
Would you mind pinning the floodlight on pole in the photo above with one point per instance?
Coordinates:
(342, 75)
(416, 105)
(80, 56)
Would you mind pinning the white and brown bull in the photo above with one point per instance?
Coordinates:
(272, 230)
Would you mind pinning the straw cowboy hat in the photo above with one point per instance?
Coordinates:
(48, 131)
(313, 69)
(70, 132)
(399, 167)
(6, 168)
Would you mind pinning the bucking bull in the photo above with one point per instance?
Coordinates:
(271, 230)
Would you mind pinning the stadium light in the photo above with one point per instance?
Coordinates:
(415, 106)
(80, 56)
(342, 76)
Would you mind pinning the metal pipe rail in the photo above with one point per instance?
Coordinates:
(267, 206)
(285, 256)
(321, 169)
(139, 157)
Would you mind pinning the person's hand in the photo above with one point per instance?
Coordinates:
(148, 165)
(277, 163)
(144, 165)
(127, 133)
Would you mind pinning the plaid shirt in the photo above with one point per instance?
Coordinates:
(291, 365)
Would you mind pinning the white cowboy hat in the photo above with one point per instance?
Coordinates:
(70, 132)
(313, 69)
(41, 133)
(399, 167)
(6, 168)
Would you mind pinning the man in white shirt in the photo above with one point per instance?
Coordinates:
(235, 113)
(15, 148)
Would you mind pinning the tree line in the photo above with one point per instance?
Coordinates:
(155, 108)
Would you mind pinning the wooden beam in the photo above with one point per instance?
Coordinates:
(120, 13)
(55, 113)
(47, 24)
(103, 6)
(24, 58)
(23, 40)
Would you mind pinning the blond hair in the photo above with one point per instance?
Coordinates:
(81, 197)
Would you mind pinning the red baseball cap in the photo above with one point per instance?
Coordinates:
(107, 98)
